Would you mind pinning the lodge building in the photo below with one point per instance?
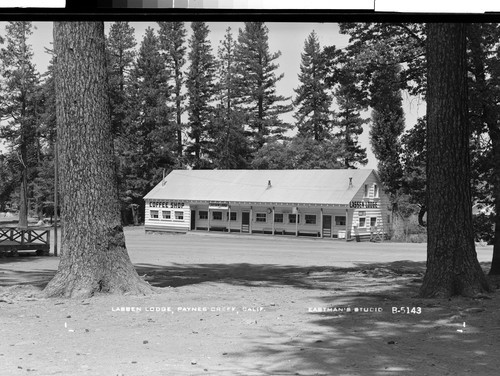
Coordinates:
(324, 203)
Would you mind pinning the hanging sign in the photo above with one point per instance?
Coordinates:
(218, 206)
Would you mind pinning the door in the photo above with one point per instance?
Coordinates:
(193, 219)
(245, 222)
(327, 226)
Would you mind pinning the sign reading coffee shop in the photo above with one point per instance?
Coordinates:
(166, 204)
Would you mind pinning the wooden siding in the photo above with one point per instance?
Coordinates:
(171, 224)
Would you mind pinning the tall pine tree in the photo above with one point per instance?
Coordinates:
(231, 145)
(200, 88)
(172, 41)
(150, 138)
(120, 51)
(387, 125)
(349, 122)
(342, 79)
(18, 91)
(313, 100)
(256, 82)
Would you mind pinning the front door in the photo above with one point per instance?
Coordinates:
(193, 219)
(245, 222)
(327, 226)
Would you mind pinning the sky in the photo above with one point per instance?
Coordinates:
(286, 37)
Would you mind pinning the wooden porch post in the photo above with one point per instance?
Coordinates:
(274, 226)
(208, 228)
(346, 223)
(251, 219)
(321, 222)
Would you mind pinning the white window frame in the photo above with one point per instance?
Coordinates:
(340, 216)
(154, 214)
(179, 215)
(261, 217)
(359, 222)
(216, 219)
(310, 215)
(164, 212)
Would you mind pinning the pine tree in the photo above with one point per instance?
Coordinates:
(312, 98)
(172, 38)
(342, 79)
(452, 265)
(387, 125)
(18, 91)
(94, 258)
(231, 149)
(349, 122)
(256, 83)
(151, 146)
(120, 46)
(200, 88)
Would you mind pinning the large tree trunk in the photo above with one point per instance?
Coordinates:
(452, 265)
(94, 257)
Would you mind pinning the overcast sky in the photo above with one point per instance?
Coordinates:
(285, 37)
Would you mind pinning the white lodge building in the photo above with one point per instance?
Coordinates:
(323, 203)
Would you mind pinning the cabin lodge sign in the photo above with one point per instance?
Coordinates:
(363, 205)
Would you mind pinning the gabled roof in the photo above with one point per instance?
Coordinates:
(286, 186)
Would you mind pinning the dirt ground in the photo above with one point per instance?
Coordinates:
(250, 305)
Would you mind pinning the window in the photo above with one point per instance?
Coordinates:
(233, 216)
(340, 220)
(217, 216)
(179, 215)
(375, 190)
(310, 219)
(362, 222)
(154, 214)
(203, 214)
(366, 190)
(278, 218)
(261, 217)
(388, 218)
(165, 214)
(373, 221)
(293, 218)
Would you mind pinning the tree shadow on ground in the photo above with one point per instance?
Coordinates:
(383, 329)
(265, 275)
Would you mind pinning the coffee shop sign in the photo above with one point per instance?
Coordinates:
(363, 205)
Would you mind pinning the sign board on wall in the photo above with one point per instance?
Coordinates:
(166, 204)
(363, 205)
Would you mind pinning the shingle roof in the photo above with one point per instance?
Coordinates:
(287, 186)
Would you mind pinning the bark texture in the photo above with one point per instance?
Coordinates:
(94, 256)
(452, 265)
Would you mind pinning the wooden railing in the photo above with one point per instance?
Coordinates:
(14, 239)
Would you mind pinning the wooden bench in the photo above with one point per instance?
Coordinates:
(13, 240)
(218, 228)
(310, 233)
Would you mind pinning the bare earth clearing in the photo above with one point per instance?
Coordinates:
(248, 305)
